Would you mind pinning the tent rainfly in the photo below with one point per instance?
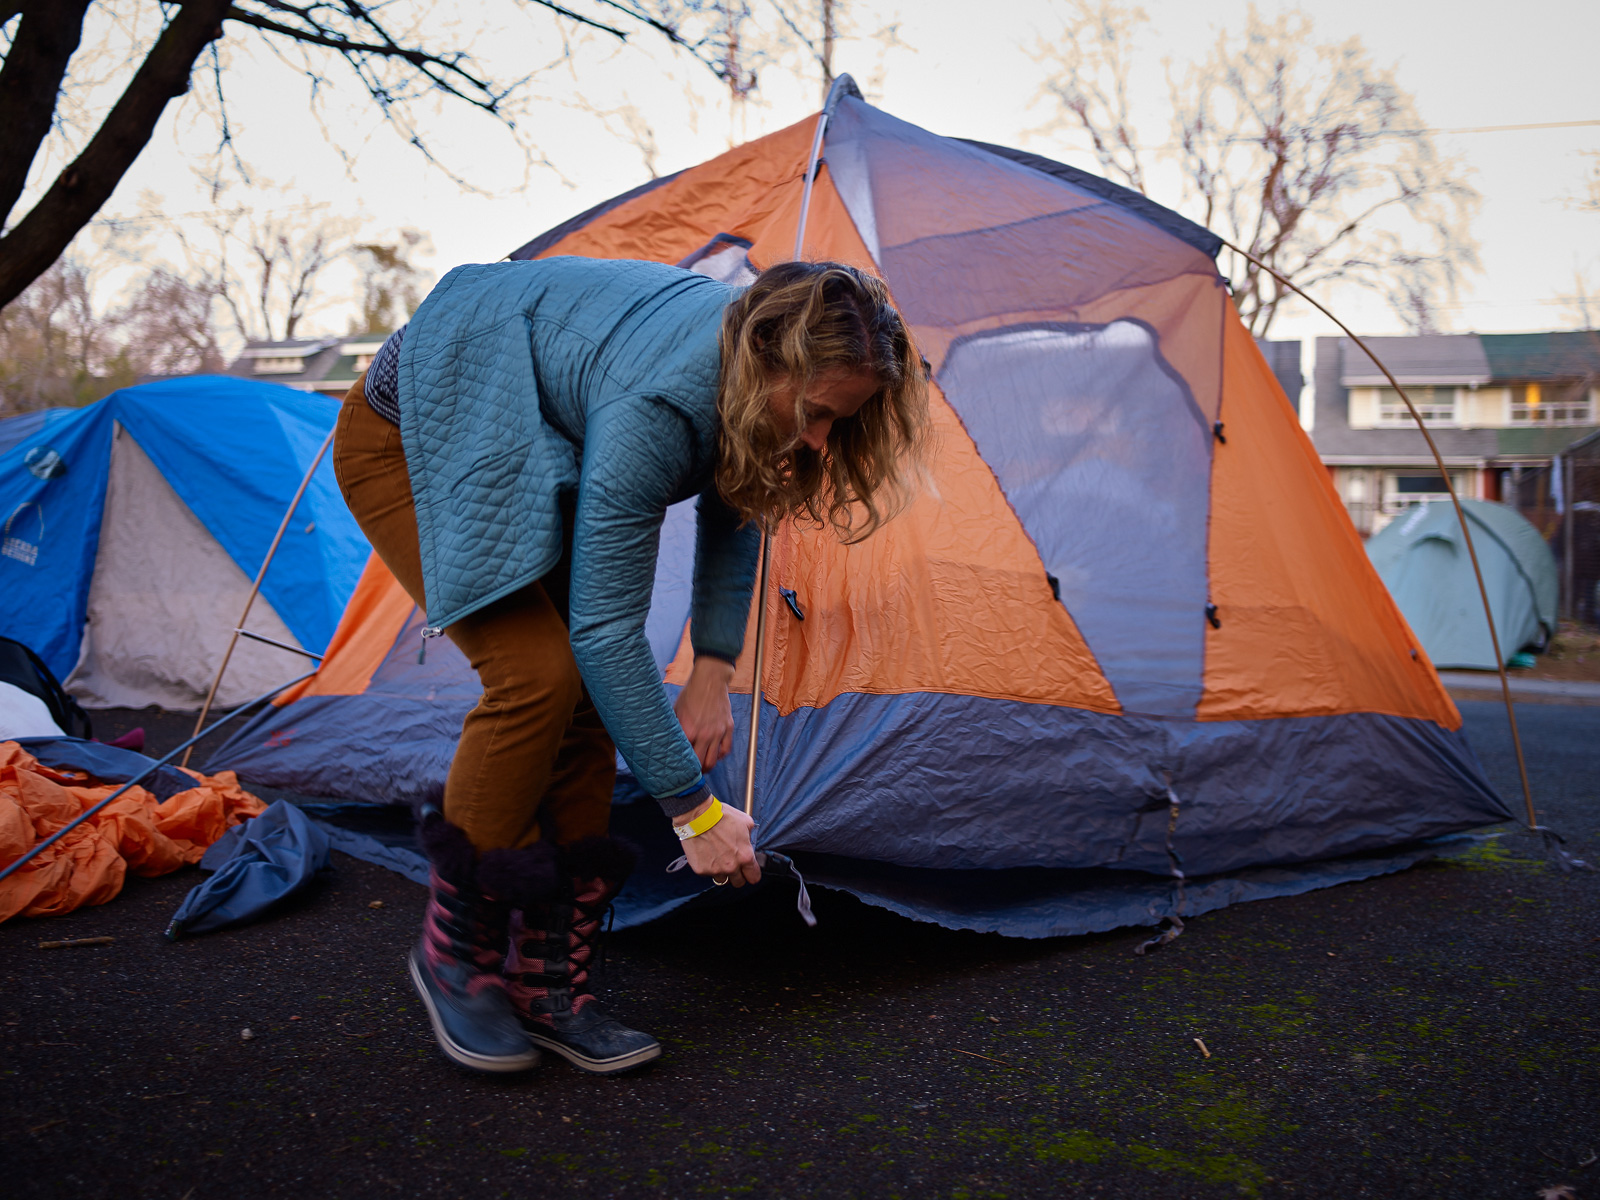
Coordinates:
(1125, 641)
(1423, 560)
(134, 526)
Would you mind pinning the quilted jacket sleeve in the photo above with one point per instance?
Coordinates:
(634, 458)
(725, 558)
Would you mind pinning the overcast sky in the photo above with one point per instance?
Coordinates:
(959, 69)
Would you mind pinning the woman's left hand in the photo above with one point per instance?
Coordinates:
(705, 712)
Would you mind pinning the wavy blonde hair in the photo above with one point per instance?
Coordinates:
(798, 321)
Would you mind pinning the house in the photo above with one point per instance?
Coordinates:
(1501, 408)
(328, 365)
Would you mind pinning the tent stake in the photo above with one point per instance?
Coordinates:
(283, 526)
(842, 86)
(1461, 518)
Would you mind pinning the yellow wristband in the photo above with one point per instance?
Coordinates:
(701, 823)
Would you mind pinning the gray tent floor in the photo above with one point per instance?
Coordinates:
(1430, 1033)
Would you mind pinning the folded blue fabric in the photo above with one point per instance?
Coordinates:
(108, 764)
(255, 866)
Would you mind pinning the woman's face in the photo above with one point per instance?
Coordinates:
(833, 396)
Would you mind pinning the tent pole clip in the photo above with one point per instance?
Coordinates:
(1211, 615)
(1216, 432)
(792, 601)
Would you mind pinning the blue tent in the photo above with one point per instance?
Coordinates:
(132, 528)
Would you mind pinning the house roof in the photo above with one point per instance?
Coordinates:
(1539, 356)
(326, 364)
(1473, 359)
(1449, 360)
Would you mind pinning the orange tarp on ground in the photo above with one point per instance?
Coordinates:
(134, 832)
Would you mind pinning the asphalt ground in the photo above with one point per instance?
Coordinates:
(1434, 1033)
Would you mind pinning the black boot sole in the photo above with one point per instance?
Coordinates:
(460, 1054)
(598, 1066)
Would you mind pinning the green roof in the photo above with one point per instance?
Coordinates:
(1536, 356)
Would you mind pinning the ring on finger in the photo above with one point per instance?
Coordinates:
(720, 880)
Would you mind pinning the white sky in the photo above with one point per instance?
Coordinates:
(961, 69)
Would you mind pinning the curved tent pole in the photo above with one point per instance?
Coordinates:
(842, 86)
(1461, 518)
(255, 588)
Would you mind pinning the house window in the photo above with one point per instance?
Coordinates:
(1550, 404)
(363, 361)
(289, 365)
(1404, 489)
(1436, 405)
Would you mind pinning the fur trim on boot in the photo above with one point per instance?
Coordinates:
(522, 878)
(448, 848)
(607, 858)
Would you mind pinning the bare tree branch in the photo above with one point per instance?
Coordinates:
(88, 181)
(35, 65)
(395, 69)
(1307, 155)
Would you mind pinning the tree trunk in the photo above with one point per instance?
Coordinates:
(46, 38)
(39, 238)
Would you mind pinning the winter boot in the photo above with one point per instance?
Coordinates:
(456, 963)
(551, 958)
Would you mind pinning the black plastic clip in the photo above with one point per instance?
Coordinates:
(1211, 615)
(1216, 432)
(792, 601)
(1055, 585)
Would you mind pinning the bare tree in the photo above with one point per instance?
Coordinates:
(1307, 155)
(55, 347)
(266, 268)
(168, 327)
(386, 44)
(392, 284)
(1588, 200)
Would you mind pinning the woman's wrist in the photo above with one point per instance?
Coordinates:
(699, 810)
(713, 666)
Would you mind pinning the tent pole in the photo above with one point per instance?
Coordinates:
(755, 684)
(1461, 518)
(842, 86)
(238, 628)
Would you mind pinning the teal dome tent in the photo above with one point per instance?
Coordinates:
(1423, 560)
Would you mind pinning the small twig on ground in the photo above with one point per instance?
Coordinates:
(46, 1125)
(70, 942)
(1202, 1046)
(986, 1057)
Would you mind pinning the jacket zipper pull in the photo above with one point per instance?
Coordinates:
(428, 631)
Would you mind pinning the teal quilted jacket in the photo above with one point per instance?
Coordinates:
(524, 384)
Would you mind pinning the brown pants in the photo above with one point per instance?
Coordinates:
(534, 759)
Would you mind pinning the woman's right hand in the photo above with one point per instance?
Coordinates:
(724, 850)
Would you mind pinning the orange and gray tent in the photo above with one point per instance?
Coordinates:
(1125, 637)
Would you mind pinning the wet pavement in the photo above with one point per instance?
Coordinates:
(1434, 1033)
